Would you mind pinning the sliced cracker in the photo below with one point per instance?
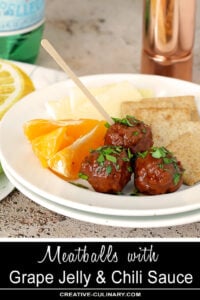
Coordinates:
(187, 149)
(163, 102)
(165, 132)
(149, 115)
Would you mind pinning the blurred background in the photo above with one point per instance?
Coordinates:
(101, 36)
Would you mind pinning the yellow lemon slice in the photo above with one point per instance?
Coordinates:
(14, 84)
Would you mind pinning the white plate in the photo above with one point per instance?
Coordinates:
(6, 186)
(110, 220)
(16, 154)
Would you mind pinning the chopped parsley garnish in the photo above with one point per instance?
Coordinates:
(83, 176)
(130, 154)
(111, 158)
(117, 167)
(142, 154)
(107, 125)
(111, 154)
(125, 159)
(101, 158)
(144, 130)
(129, 121)
(135, 192)
(165, 158)
(135, 133)
(159, 152)
(176, 178)
(108, 169)
(161, 166)
(130, 169)
(79, 185)
(168, 160)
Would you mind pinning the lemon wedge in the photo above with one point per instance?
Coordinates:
(14, 84)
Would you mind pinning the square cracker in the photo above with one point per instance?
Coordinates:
(151, 114)
(165, 132)
(187, 149)
(129, 107)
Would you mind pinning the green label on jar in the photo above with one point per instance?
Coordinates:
(20, 14)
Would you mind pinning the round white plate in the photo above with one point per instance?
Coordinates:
(110, 220)
(6, 186)
(17, 156)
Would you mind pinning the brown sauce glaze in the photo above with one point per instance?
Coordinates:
(157, 174)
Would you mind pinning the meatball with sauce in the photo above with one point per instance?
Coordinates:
(157, 171)
(107, 169)
(129, 133)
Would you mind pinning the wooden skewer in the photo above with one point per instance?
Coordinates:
(59, 60)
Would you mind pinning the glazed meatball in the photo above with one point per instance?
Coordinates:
(129, 133)
(157, 171)
(107, 169)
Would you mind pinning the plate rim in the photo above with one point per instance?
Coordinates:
(110, 220)
(8, 189)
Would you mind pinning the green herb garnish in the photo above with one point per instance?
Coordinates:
(130, 169)
(168, 160)
(83, 176)
(111, 154)
(135, 192)
(101, 158)
(142, 154)
(157, 152)
(111, 158)
(135, 133)
(79, 185)
(130, 154)
(144, 130)
(108, 169)
(107, 125)
(176, 178)
(129, 121)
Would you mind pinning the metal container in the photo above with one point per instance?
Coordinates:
(168, 37)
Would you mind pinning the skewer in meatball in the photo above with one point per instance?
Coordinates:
(107, 169)
(129, 133)
(157, 171)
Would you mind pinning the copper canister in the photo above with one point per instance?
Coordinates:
(168, 38)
